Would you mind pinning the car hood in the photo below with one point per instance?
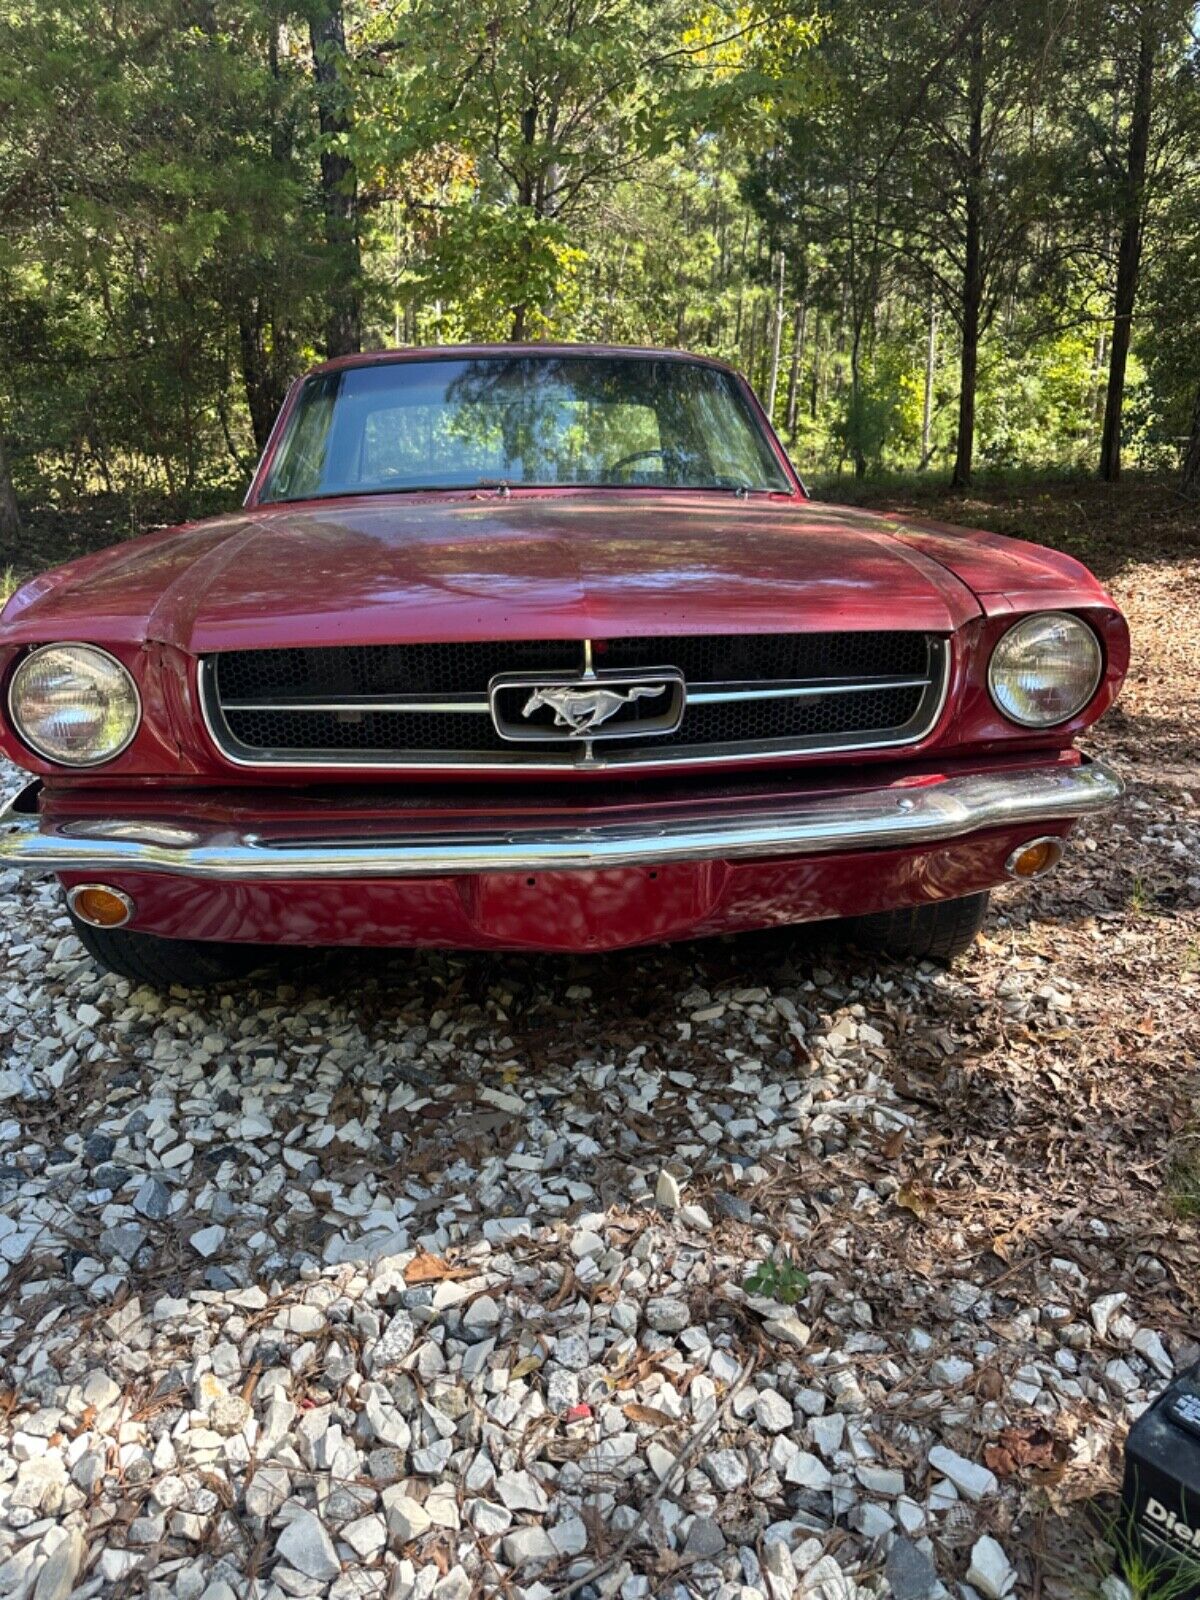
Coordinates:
(480, 566)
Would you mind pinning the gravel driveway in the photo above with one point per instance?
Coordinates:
(416, 1276)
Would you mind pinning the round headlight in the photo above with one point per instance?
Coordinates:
(74, 704)
(1045, 669)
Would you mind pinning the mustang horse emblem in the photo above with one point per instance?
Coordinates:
(581, 710)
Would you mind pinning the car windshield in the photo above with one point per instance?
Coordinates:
(523, 421)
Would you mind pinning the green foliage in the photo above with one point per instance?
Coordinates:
(631, 172)
(778, 1280)
(530, 262)
(1040, 406)
(882, 416)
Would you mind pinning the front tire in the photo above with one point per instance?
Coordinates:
(939, 930)
(162, 963)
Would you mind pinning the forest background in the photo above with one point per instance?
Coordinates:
(942, 237)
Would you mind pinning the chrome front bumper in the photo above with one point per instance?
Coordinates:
(914, 815)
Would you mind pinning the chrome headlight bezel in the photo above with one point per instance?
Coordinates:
(1025, 633)
(122, 682)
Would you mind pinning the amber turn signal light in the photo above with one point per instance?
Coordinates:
(1034, 859)
(100, 906)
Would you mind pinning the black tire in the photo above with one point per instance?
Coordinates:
(939, 930)
(161, 963)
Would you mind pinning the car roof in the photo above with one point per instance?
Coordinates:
(438, 352)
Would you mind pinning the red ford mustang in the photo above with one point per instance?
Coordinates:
(544, 647)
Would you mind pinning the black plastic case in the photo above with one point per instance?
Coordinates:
(1161, 1493)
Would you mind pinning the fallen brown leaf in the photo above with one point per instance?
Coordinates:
(426, 1268)
(650, 1414)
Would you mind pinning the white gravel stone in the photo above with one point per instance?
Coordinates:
(303, 1320)
(951, 1371)
(520, 1491)
(788, 1329)
(807, 1470)
(827, 1432)
(968, 1478)
(487, 1518)
(62, 1567)
(1102, 1311)
(407, 1519)
(366, 1536)
(881, 1480)
(726, 1469)
(772, 1412)
(1147, 1343)
(528, 1547)
(305, 1545)
(990, 1571)
(395, 1342)
(207, 1241)
(872, 1521)
(482, 1313)
(667, 1315)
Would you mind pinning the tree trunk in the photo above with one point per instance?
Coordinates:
(262, 375)
(930, 370)
(1191, 459)
(857, 448)
(527, 199)
(1097, 386)
(339, 184)
(1129, 250)
(752, 352)
(799, 320)
(972, 287)
(777, 346)
(10, 517)
(814, 394)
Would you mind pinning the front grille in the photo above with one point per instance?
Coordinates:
(428, 705)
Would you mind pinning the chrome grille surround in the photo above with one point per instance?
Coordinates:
(725, 720)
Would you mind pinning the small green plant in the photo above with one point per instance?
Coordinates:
(1139, 896)
(1156, 1580)
(777, 1280)
(1183, 1183)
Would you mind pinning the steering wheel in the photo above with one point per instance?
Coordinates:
(637, 455)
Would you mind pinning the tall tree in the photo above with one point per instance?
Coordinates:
(1129, 109)
(1170, 315)
(1132, 203)
(339, 180)
(971, 161)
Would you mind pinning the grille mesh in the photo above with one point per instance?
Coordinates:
(386, 668)
(870, 715)
(762, 658)
(389, 731)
